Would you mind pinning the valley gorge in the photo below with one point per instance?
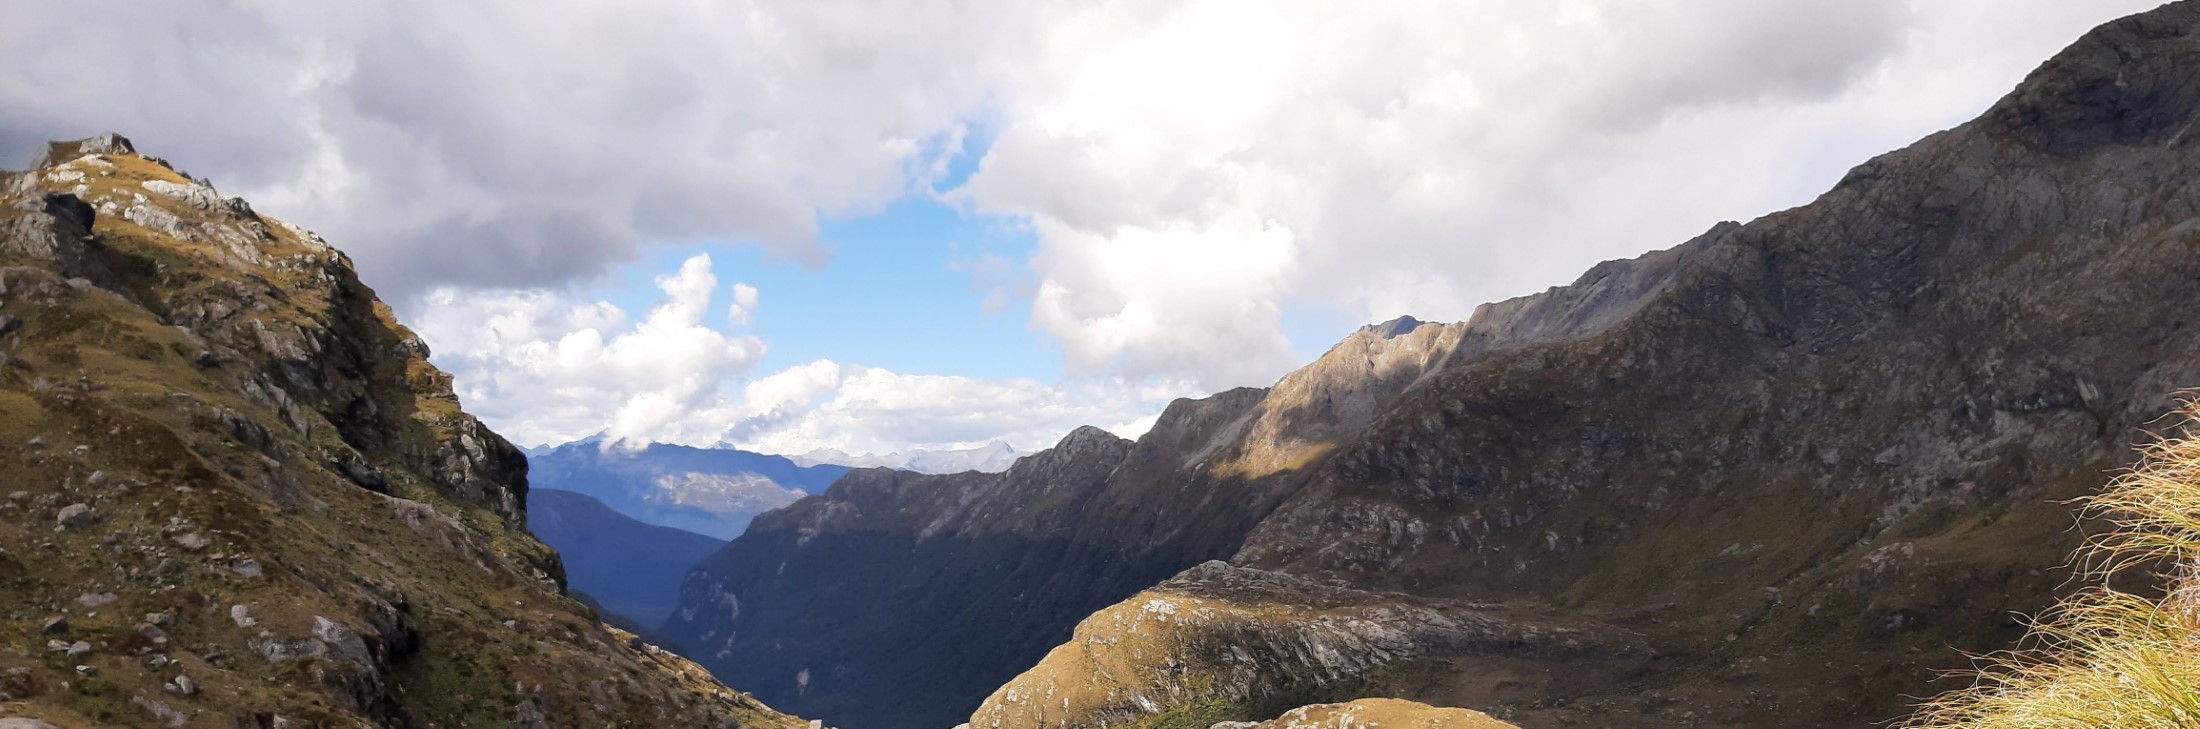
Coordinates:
(1782, 474)
(1786, 473)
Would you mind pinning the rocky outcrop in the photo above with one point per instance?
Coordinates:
(238, 494)
(1810, 459)
(60, 153)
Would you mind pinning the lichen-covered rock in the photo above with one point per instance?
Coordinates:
(231, 439)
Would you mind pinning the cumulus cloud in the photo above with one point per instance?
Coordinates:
(1193, 171)
(1195, 168)
(743, 308)
(859, 409)
(515, 143)
(544, 368)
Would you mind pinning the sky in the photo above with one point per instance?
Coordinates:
(878, 225)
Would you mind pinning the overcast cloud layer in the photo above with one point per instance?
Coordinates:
(1194, 171)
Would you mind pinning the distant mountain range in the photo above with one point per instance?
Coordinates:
(631, 568)
(708, 491)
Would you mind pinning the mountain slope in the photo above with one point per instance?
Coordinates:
(240, 496)
(630, 568)
(1784, 471)
(708, 491)
(987, 571)
(1824, 454)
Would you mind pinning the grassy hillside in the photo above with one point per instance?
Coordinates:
(234, 492)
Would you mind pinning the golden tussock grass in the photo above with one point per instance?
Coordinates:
(2106, 657)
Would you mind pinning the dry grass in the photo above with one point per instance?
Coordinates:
(2106, 657)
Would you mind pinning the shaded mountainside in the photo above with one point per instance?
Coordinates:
(239, 495)
(985, 572)
(630, 568)
(1782, 472)
(1823, 458)
(709, 491)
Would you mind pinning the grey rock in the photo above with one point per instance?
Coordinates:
(75, 516)
(173, 718)
(247, 568)
(59, 153)
(55, 625)
(343, 644)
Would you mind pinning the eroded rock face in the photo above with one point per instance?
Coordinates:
(255, 499)
(1810, 459)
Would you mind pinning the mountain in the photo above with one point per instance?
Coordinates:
(708, 491)
(1778, 475)
(993, 457)
(986, 572)
(632, 569)
(239, 495)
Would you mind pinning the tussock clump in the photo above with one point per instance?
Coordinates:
(2106, 657)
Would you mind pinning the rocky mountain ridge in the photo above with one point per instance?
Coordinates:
(1832, 446)
(1783, 473)
(239, 495)
(786, 609)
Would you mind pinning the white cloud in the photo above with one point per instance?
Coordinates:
(540, 367)
(743, 309)
(1192, 169)
(865, 409)
(516, 143)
